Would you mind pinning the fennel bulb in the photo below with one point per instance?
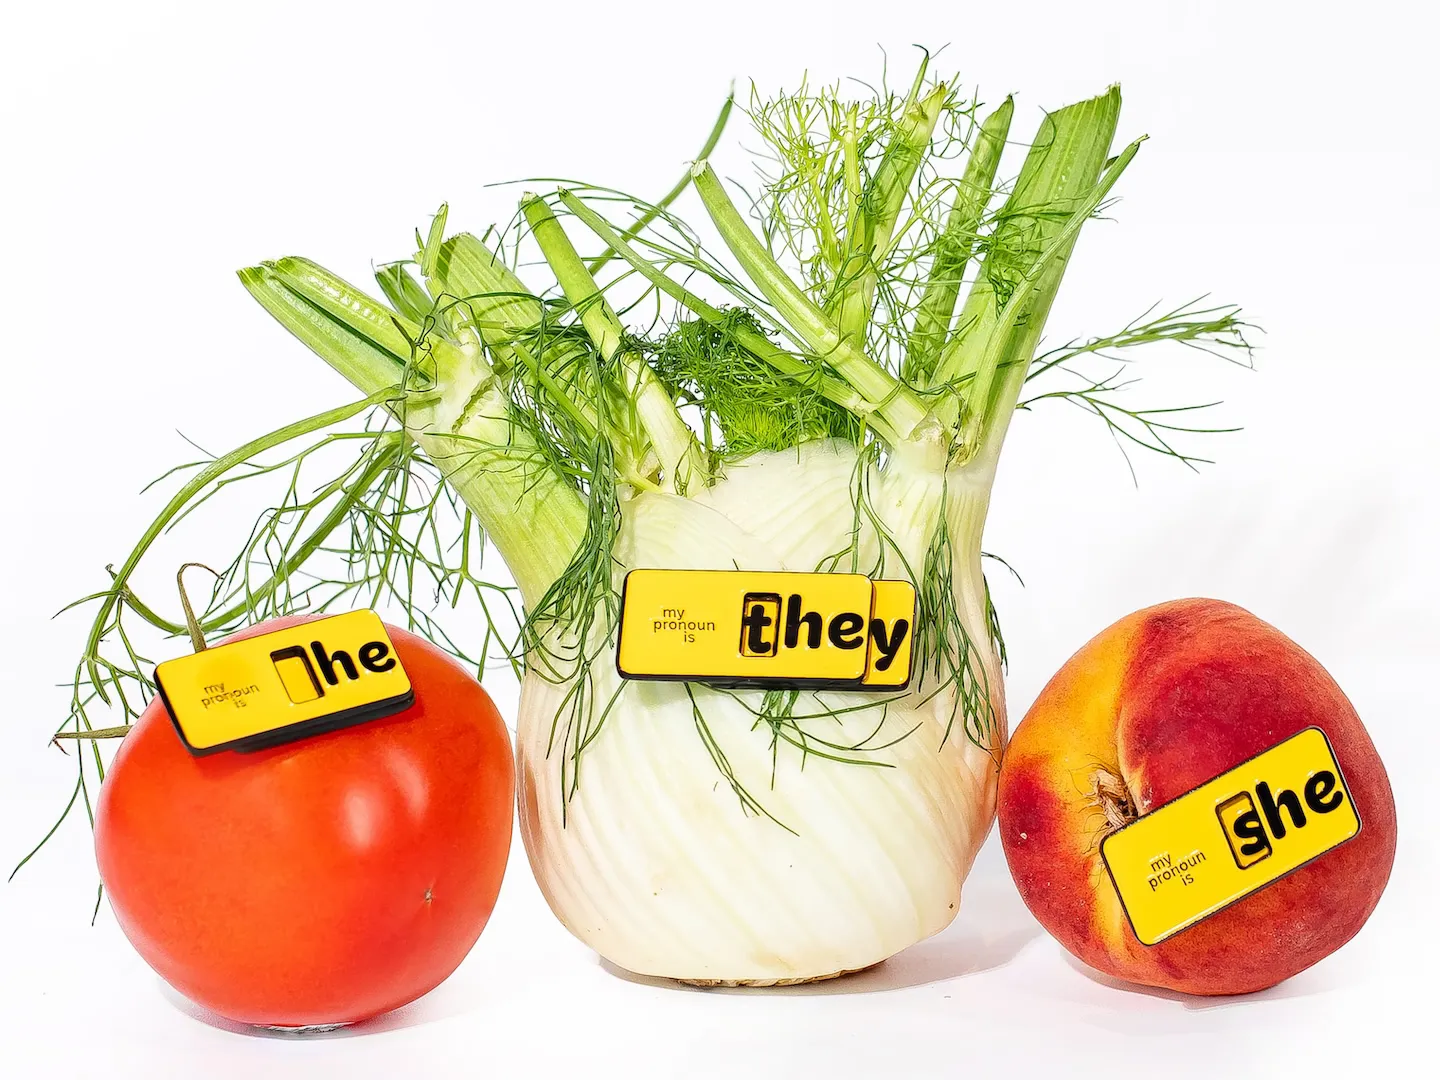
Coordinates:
(787, 865)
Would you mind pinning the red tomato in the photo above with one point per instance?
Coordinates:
(320, 882)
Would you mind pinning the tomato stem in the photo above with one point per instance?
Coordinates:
(192, 624)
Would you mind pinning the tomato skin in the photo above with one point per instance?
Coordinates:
(321, 882)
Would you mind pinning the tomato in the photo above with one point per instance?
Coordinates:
(320, 882)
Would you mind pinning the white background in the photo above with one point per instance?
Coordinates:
(149, 152)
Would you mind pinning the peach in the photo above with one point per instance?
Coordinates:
(1151, 708)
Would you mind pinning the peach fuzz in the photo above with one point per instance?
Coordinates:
(1151, 708)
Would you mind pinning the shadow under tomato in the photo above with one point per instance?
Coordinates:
(434, 1006)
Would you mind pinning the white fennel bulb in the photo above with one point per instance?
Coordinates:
(661, 864)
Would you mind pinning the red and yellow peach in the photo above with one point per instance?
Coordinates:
(1153, 707)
